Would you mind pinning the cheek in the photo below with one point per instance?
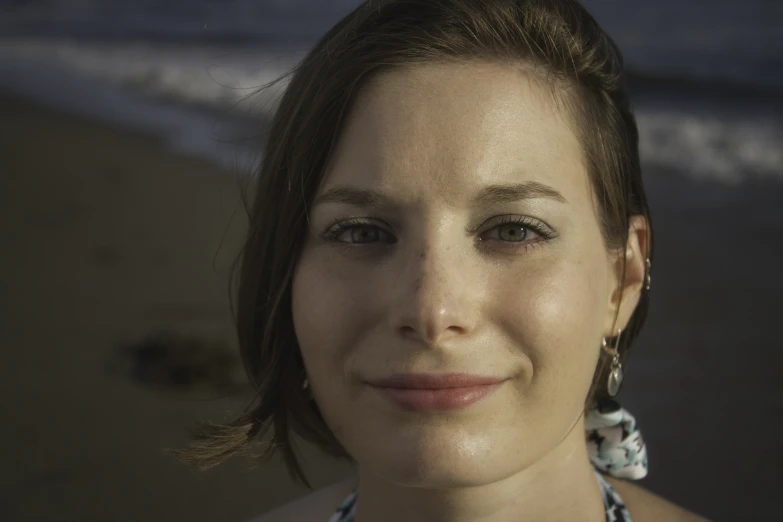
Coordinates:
(557, 316)
(311, 315)
(325, 306)
(329, 308)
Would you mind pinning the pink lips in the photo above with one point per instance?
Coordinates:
(432, 392)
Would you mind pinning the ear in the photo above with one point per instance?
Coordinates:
(628, 288)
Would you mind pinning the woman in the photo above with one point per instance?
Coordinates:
(448, 259)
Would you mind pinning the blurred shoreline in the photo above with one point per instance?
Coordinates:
(109, 235)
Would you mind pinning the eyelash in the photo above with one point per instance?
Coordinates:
(545, 233)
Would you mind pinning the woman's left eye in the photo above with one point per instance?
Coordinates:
(518, 233)
(513, 232)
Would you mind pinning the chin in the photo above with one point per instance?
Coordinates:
(438, 461)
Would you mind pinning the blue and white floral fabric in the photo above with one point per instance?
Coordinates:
(614, 443)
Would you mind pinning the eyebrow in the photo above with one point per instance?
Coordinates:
(489, 195)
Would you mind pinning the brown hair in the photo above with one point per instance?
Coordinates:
(556, 37)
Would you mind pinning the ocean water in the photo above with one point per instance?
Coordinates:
(707, 76)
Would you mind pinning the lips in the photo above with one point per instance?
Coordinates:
(430, 381)
(435, 392)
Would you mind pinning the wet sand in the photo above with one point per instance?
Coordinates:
(108, 237)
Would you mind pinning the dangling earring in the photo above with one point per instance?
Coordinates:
(306, 384)
(616, 373)
(649, 277)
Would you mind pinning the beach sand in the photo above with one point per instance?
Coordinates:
(108, 237)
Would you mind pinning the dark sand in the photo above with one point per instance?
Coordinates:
(107, 236)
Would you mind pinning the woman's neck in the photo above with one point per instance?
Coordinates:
(560, 486)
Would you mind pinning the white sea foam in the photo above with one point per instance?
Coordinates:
(160, 88)
(203, 75)
(710, 147)
(156, 89)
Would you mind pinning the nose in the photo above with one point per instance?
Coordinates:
(435, 302)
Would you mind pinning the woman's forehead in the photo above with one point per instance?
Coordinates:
(451, 127)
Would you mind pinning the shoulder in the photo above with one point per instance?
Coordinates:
(646, 506)
(317, 506)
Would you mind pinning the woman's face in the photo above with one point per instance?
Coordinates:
(475, 248)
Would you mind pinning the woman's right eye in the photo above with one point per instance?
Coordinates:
(363, 233)
(357, 233)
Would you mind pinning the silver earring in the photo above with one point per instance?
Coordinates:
(649, 277)
(616, 373)
(306, 384)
